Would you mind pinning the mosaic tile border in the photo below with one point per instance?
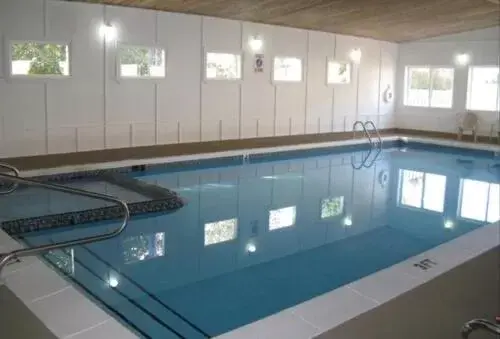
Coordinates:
(19, 226)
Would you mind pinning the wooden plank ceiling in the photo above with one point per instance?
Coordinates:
(392, 20)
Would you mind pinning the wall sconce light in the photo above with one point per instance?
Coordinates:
(348, 221)
(355, 55)
(108, 32)
(251, 248)
(113, 282)
(448, 224)
(462, 59)
(256, 44)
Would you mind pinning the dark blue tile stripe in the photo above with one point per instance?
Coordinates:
(205, 334)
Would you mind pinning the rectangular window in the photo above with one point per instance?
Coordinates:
(479, 200)
(283, 217)
(482, 90)
(64, 259)
(287, 69)
(220, 231)
(29, 58)
(141, 62)
(143, 247)
(338, 72)
(429, 87)
(223, 66)
(332, 207)
(422, 190)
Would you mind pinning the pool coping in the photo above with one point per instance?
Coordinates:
(48, 295)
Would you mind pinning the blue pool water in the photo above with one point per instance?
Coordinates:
(256, 238)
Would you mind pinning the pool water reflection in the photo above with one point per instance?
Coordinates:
(258, 238)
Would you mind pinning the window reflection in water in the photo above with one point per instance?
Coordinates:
(479, 200)
(220, 231)
(422, 190)
(64, 259)
(283, 217)
(332, 207)
(143, 247)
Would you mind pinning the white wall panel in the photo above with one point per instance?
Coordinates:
(369, 76)
(62, 140)
(319, 112)
(346, 96)
(92, 110)
(389, 60)
(22, 19)
(134, 26)
(179, 94)
(257, 100)
(90, 138)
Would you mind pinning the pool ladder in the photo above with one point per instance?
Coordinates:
(364, 125)
(16, 179)
(480, 324)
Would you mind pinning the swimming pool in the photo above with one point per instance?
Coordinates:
(279, 229)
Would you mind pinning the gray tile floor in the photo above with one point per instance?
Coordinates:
(436, 310)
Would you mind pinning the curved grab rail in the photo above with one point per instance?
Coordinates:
(374, 128)
(16, 173)
(44, 248)
(359, 122)
(477, 324)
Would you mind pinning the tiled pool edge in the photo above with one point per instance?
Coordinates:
(49, 296)
(213, 155)
(305, 320)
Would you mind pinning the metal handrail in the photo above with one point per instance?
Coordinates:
(479, 324)
(81, 241)
(16, 173)
(374, 128)
(359, 122)
(364, 163)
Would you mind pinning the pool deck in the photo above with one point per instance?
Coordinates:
(49, 297)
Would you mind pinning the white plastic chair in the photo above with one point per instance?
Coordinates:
(467, 121)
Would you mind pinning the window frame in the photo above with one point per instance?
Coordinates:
(333, 59)
(431, 83)
(302, 70)
(421, 208)
(329, 218)
(269, 229)
(469, 86)
(119, 77)
(460, 201)
(235, 236)
(37, 77)
(217, 51)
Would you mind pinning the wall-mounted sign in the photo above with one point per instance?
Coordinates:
(258, 66)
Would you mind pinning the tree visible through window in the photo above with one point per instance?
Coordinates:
(338, 72)
(34, 58)
(220, 231)
(429, 87)
(142, 62)
(332, 207)
(143, 247)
